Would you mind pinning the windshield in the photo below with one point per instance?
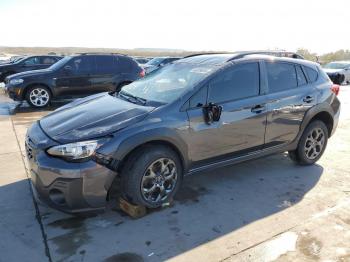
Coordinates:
(155, 61)
(334, 65)
(60, 63)
(168, 83)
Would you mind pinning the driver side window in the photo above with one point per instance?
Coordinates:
(81, 65)
(237, 82)
(199, 99)
(32, 61)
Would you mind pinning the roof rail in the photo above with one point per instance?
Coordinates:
(100, 53)
(217, 53)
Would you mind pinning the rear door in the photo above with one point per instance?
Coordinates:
(103, 74)
(241, 128)
(31, 63)
(291, 94)
(74, 79)
(47, 61)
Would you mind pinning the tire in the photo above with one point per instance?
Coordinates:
(312, 144)
(38, 96)
(120, 86)
(140, 186)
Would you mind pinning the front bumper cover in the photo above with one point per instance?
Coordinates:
(69, 187)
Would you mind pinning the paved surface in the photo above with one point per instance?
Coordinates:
(263, 210)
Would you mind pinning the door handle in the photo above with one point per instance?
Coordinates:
(258, 109)
(308, 99)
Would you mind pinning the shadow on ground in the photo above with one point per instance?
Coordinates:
(208, 206)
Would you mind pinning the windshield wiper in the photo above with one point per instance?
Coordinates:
(127, 96)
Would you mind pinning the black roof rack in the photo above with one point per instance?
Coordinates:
(198, 54)
(100, 53)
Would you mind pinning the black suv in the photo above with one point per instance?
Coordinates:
(27, 63)
(198, 113)
(73, 76)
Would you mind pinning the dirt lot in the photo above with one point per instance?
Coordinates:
(263, 210)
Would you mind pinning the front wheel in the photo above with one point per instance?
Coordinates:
(151, 176)
(312, 144)
(38, 96)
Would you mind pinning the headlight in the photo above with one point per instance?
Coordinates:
(16, 81)
(74, 151)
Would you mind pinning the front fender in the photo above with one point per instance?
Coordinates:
(118, 149)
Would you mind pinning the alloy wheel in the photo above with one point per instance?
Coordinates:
(314, 143)
(159, 180)
(39, 97)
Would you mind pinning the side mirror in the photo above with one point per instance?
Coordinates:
(212, 113)
(67, 69)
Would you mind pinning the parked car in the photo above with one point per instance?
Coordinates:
(198, 113)
(11, 60)
(73, 76)
(339, 71)
(28, 63)
(157, 62)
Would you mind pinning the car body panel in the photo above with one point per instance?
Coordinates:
(239, 135)
(67, 84)
(80, 121)
(19, 66)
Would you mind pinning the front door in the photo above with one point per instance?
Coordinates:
(241, 127)
(74, 79)
(31, 63)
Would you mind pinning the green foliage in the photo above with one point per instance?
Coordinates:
(335, 56)
(307, 54)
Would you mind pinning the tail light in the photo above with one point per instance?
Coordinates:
(142, 73)
(335, 89)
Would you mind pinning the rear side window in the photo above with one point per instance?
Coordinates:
(238, 82)
(300, 76)
(104, 64)
(281, 76)
(48, 60)
(126, 64)
(311, 73)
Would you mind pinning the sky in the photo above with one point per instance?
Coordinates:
(321, 26)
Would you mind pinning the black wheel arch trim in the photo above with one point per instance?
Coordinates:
(310, 114)
(156, 136)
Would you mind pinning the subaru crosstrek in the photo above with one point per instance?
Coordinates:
(73, 76)
(198, 113)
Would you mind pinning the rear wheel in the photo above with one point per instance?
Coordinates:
(38, 96)
(151, 176)
(312, 144)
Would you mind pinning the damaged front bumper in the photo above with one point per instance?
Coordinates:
(69, 187)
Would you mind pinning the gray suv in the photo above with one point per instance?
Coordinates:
(198, 113)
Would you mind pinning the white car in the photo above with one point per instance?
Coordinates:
(339, 71)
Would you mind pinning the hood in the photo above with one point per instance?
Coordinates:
(31, 73)
(4, 66)
(91, 117)
(330, 70)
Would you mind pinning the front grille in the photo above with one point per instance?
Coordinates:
(29, 148)
(29, 151)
